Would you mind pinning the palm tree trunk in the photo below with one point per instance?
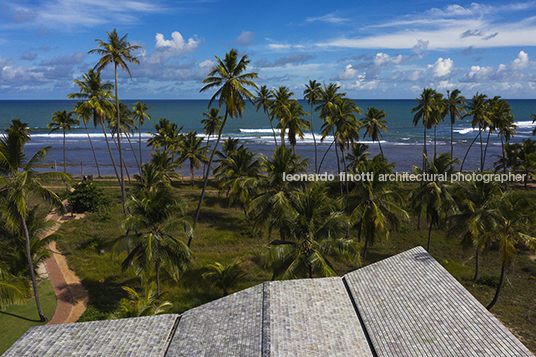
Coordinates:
(110, 151)
(452, 118)
(32, 272)
(314, 138)
(429, 236)
(435, 140)
(134, 153)
(323, 157)
(273, 131)
(139, 143)
(92, 149)
(425, 152)
(381, 150)
(192, 171)
(485, 152)
(123, 161)
(475, 278)
(499, 287)
(347, 191)
(206, 175)
(205, 166)
(122, 182)
(481, 152)
(64, 160)
(467, 152)
(338, 163)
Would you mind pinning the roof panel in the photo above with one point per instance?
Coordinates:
(411, 306)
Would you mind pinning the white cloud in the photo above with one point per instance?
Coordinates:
(246, 38)
(521, 62)
(515, 71)
(441, 67)
(330, 18)
(177, 43)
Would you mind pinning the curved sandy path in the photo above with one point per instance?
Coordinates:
(71, 294)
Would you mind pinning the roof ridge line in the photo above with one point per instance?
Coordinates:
(265, 321)
(361, 322)
(172, 333)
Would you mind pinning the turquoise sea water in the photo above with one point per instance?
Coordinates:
(401, 145)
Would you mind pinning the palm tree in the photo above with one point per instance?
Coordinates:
(357, 156)
(192, 149)
(293, 121)
(478, 108)
(341, 120)
(515, 215)
(151, 178)
(128, 126)
(139, 110)
(62, 120)
(266, 207)
(97, 96)
(13, 289)
(167, 136)
(374, 123)
(424, 112)
(434, 197)
(312, 93)
(377, 205)
(21, 181)
(312, 224)
(157, 216)
(229, 77)
(455, 107)
(328, 96)
(238, 175)
(501, 120)
(211, 124)
(476, 216)
(279, 106)
(264, 99)
(117, 51)
(224, 277)
(148, 304)
(84, 114)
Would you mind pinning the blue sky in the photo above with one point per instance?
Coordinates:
(383, 50)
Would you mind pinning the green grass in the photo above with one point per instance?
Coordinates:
(223, 235)
(15, 320)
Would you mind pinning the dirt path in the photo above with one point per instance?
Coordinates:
(71, 294)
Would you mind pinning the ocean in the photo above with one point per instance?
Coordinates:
(402, 145)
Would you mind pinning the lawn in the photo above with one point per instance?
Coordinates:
(223, 235)
(15, 320)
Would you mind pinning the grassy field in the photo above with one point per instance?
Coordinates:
(15, 320)
(223, 235)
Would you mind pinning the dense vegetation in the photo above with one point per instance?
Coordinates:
(253, 217)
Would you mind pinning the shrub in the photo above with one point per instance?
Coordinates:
(87, 197)
(491, 281)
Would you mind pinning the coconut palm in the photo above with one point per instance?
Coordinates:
(501, 121)
(84, 114)
(455, 103)
(264, 99)
(476, 217)
(341, 120)
(313, 225)
(279, 106)
(374, 123)
(515, 215)
(424, 113)
(119, 52)
(13, 289)
(237, 175)
(211, 125)
(224, 277)
(312, 93)
(274, 189)
(64, 121)
(139, 111)
(168, 136)
(96, 97)
(20, 181)
(230, 80)
(292, 120)
(478, 109)
(128, 126)
(328, 96)
(157, 216)
(434, 198)
(376, 205)
(357, 156)
(191, 148)
(148, 304)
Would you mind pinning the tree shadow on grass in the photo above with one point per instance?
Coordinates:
(18, 316)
